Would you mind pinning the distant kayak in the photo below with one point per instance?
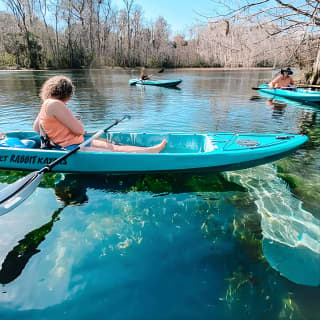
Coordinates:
(294, 94)
(160, 83)
(184, 152)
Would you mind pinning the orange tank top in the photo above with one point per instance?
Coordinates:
(57, 131)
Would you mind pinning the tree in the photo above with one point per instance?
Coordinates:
(128, 13)
(300, 18)
(23, 11)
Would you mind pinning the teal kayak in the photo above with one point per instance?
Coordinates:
(294, 94)
(183, 152)
(160, 83)
(284, 101)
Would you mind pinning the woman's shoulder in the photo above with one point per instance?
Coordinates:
(278, 77)
(51, 105)
(50, 102)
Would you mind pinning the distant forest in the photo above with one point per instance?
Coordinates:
(42, 34)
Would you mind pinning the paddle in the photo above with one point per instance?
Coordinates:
(17, 192)
(312, 86)
(284, 88)
(134, 81)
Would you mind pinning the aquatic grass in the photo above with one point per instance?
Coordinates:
(301, 170)
(48, 181)
(290, 233)
(305, 186)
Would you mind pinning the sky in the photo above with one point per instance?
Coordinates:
(180, 14)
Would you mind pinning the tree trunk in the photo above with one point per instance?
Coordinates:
(315, 70)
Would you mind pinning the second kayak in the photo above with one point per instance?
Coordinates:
(160, 83)
(294, 94)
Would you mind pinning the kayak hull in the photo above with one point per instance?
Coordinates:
(183, 153)
(159, 83)
(297, 94)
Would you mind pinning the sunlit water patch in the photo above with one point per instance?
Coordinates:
(291, 235)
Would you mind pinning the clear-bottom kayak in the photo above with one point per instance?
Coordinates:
(183, 152)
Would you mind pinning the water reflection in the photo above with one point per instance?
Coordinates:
(277, 107)
(16, 260)
(72, 190)
(271, 99)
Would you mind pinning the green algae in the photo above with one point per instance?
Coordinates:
(179, 183)
(304, 185)
(301, 170)
(49, 180)
(247, 232)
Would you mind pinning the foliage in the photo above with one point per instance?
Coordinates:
(26, 48)
(34, 57)
(14, 45)
(7, 59)
(153, 63)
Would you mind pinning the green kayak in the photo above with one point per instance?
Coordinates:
(160, 83)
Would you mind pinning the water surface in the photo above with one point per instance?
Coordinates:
(235, 245)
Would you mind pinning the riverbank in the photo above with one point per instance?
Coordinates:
(138, 68)
(224, 69)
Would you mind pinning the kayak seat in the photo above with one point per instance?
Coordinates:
(17, 143)
(29, 143)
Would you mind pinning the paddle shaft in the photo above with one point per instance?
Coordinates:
(283, 88)
(65, 156)
(311, 86)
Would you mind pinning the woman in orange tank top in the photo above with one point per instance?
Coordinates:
(64, 129)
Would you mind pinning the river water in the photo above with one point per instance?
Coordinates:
(234, 245)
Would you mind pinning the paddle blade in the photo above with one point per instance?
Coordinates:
(15, 193)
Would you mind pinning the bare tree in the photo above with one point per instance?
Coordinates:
(128, 10)
(287, 17)
(78, 33)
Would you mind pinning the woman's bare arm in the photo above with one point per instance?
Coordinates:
(273, 83)
(36, 125)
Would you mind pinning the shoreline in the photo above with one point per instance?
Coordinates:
(224, 68)
(137, 69)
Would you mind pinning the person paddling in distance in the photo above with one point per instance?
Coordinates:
(144, 75)
(283, 81)
(64, 129)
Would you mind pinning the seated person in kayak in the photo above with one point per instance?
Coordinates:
(64, 129)
(144, 75)
(283, 81)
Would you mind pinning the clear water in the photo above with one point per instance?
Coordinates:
(236, 245)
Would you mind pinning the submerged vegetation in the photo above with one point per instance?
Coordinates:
(293, 170)
(249, 281)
